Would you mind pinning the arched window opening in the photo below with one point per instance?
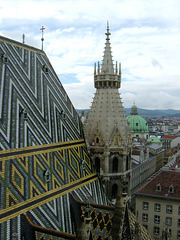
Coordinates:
(171, 189)
(115, 165)
(127, 164)
(114, 190)
(158, 187)
(97, 164)
(97, 140)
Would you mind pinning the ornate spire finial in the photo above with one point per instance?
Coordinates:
(108, 33)
(42, 39)
(107, 76)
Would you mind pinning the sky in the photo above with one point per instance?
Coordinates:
(145, 38)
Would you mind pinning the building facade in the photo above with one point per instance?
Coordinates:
(158, 203)
(169, 141)
(107, 132)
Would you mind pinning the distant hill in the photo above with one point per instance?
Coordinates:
(145, 112)
(161, 113)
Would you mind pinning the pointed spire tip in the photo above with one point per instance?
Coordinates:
(107, 24)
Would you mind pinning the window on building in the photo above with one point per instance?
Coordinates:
(114, 190)
(136, 124)
(171, 189)
(158, 187)
(169, 209)
(127, 163)
(168, 232)
(45, 68)
(179, 210)
(178, 222)
(97, 140)
(157, 207)
(178, 234)
(156, 230)
(97, 164)
(5, 58)
(115, 165)
(145, 205)
(168, 221)
(156, 219)
(144, 217)
(47, 175)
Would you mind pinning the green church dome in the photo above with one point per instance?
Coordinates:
(154, 140)
(137, 123)
(134, 106)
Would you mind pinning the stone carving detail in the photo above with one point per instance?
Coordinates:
(116, 139)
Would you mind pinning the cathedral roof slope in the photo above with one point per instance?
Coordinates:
(43, 155)
(35, 99)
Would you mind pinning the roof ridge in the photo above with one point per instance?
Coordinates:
(19, 44)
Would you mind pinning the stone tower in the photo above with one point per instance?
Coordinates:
(106, 129)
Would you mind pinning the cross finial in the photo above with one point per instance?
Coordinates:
(23, 38)
(42, 39)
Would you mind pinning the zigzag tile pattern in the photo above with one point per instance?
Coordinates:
(28, 82)
(25, 186)
(43, 155)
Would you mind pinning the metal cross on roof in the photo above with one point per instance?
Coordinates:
(23, 38)
(42, 39)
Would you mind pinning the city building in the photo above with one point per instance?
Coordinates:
(107, 132)
(169, 141)
(158, 202)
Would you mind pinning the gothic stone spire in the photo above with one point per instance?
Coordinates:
(106, 76)
(107, 64)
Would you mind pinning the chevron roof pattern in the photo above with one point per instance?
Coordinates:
(34, 107)
(43, 154)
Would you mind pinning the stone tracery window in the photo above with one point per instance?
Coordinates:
(127, 163)
(115, 165)
(114, 190)
(97, 164)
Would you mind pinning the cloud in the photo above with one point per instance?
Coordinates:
(145, 39)
(155, 63)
